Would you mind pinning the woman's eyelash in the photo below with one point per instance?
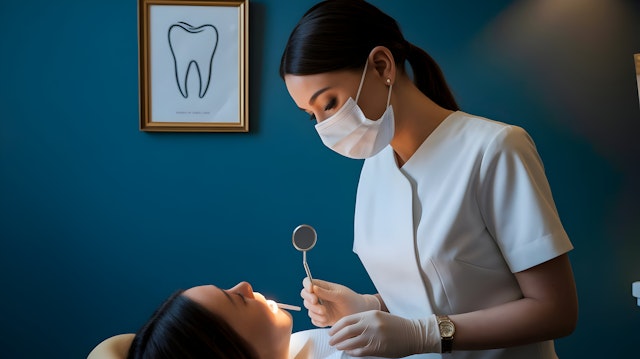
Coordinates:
(330, 105)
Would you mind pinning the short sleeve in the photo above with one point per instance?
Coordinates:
(516, 201)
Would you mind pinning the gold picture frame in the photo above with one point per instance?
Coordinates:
(193, 63)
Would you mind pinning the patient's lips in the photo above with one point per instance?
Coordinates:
(273, 306)
(258, 296)
(270, 303)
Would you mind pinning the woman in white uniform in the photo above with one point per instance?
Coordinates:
(455, 221)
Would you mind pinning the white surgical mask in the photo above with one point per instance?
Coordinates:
(350, 133)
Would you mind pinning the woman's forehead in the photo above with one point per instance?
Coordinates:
(303, 87)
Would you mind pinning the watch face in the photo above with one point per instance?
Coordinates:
(446, 329)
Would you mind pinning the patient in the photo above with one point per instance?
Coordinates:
(209, 322)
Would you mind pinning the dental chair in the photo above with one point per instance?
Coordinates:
(115, 347)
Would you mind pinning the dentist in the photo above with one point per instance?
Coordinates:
(455, 222)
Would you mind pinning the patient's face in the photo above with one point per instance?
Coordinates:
(248, 313)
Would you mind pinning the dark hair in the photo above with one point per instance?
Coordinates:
(339, 35)
(182, 328)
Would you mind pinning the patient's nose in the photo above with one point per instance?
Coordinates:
(244, 289)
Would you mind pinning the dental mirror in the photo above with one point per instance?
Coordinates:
(304, 238)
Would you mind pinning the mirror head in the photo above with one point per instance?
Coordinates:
(304, 237)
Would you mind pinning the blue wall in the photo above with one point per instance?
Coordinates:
(99, 222)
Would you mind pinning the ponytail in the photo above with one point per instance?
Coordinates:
(339, 35)
(429, 78)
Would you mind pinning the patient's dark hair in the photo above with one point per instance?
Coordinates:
(339, 35)
(182, 328)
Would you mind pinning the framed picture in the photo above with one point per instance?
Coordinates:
(193, 59)
(636, 57)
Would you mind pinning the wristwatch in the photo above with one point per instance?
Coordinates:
(447, 329)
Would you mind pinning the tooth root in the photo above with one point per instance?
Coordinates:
(181, 79)
(193, 49)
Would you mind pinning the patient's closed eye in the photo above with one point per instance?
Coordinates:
(244, 300)
(228, 293)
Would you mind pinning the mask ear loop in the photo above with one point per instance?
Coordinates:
(362, 80)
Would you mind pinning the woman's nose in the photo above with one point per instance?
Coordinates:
(244, 289)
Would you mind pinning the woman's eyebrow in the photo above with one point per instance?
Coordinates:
(318, 93)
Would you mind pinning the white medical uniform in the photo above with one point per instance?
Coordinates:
(445, 233)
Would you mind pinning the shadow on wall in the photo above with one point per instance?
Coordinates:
(574, 55)
(576, 58)
(566, 41)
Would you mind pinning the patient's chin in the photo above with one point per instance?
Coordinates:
(286, 319)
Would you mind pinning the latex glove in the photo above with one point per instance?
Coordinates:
(337, 301)
(376, 333)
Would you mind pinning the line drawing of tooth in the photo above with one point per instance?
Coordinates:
(193, 47)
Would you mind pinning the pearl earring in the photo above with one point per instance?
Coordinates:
(388, 82)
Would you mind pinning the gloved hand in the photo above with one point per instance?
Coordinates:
(337, 301)
(376, 333)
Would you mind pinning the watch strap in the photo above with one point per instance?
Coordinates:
(447, 345)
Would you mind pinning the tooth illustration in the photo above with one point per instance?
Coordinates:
(193, 46)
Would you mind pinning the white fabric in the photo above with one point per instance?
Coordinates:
(445, 233)
(314, 344)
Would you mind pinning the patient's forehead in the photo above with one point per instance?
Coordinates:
(208, 289)
(209, 296)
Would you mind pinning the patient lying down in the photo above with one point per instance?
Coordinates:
(209, 322)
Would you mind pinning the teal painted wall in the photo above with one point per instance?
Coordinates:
(99, 222)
